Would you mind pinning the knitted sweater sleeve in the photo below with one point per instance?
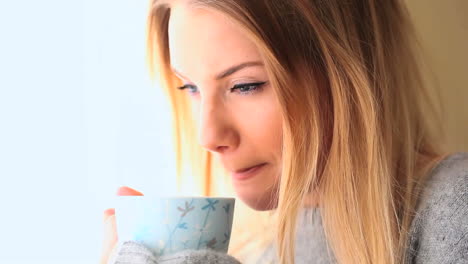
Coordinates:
(439, 232)
(131, 252)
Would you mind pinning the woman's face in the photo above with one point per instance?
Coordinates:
(241, 126)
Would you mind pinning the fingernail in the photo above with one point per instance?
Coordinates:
(127, 191)
(108, 212)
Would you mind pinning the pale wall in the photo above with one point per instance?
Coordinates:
(443, 27)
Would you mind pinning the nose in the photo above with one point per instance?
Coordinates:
(216, 131)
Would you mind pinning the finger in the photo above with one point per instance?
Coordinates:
(110, 229)
(127, 191)
(110, 233)
(108, 212)
(110, 237)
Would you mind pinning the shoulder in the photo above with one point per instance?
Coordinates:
(439, 232)
(446, 182)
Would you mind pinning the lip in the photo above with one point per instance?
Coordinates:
(246, 174)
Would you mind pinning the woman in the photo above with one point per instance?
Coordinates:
(325, 102)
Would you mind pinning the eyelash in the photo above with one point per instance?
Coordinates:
(257, 86)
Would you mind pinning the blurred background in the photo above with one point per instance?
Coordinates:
(79, 116)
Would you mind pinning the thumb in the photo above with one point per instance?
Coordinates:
(110, 229)
(110, 235)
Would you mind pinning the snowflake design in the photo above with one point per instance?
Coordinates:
(179, 225)
(186, 209)
(211, 244)
(182, 226)
(226, 238)
(209, 207)
(211, 204)
(226, 208)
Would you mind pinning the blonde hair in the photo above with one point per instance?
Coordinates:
(355, 112)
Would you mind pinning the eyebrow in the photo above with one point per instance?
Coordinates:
(231, 70)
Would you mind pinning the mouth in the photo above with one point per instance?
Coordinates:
(247, 173)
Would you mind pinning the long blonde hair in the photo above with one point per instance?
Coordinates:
(356, 117)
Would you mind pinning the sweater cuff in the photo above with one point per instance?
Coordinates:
(131, 252)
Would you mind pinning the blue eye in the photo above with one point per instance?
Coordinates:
(243, 88)
(247, 88)
(192, 89)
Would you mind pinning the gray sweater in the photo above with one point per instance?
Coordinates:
(438, 233)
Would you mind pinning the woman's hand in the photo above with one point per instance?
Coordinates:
(110, 231)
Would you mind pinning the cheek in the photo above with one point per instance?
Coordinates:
(261, 124)
(265, 134)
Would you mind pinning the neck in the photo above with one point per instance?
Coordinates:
(311, 200)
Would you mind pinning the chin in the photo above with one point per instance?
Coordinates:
(259, 200)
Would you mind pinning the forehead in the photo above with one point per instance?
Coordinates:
(203, 42)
